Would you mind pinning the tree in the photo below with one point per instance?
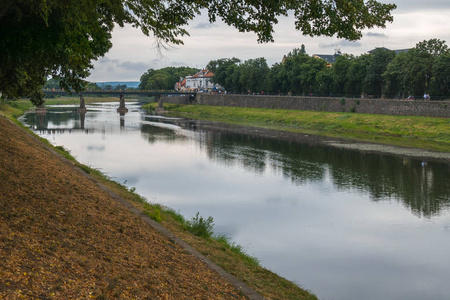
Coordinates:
(308, 74)
(377, 66)
(165, 78)
(339, 73)
(214, 65)
(324, 82)
(440, 82)
(421, 59)
(52, 84)
(253, 75)
(396, 77)
(356, 75)
(224, 68)
(61, 38)
(120, 87)
(92, 86)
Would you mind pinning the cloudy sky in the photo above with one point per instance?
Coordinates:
(133, 53)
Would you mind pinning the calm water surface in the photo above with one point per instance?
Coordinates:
(343, 224)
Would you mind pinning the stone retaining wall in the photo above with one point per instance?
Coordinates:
(176, 99)
(439, 109)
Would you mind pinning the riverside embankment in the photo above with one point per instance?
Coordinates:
(437, 109)
(429, 133)
(64, 237)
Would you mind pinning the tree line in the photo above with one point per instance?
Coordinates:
(382, 73)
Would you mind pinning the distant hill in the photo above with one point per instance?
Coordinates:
(129, 84)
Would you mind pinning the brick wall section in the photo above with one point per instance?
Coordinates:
(439, 109)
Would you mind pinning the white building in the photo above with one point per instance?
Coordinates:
(201, 81)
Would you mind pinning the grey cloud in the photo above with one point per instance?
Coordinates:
(134, 66)
(375, 34)
(113, 64)
(205, 25)
(179, 64)
(404, 6)
(105, 60)
(343, 43)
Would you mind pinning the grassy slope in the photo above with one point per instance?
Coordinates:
(226, 254)
(407, 131)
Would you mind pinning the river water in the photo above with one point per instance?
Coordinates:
(343, 224)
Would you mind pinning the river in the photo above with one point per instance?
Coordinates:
(344, 224)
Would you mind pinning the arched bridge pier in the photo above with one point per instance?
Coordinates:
(122, 109)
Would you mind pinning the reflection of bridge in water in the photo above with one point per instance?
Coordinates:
(42, 126)
(159, 95)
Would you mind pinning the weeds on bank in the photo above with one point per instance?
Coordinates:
(201, 227)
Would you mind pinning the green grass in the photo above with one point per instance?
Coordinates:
(415, 132)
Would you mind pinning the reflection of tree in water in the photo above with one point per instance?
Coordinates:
(153, 134)
(423, 188)
(56, 117)
(231, 149)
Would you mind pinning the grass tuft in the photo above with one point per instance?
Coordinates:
(201, 227)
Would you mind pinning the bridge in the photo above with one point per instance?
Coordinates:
(121, 94)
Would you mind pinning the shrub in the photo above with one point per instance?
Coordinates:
(154, 213)
(201, 227)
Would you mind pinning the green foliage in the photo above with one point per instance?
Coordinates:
(92, 86)
(85, 169)
(214, 65)
(176, 216)
(153, 212)
(201, 227)
(164, 79)
(253, 75)
(52, 84)
(422, 69)
(377, 65)
(237, 249)
(340, 72)
(37, 98)
(223, 70)
(440, 80)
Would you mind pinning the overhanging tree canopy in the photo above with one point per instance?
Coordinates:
(61, 38)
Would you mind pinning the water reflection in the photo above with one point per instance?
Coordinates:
(422, 187)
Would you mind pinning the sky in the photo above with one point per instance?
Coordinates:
(133, 53)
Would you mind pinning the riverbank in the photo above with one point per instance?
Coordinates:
(412, 132)
(65, 237)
